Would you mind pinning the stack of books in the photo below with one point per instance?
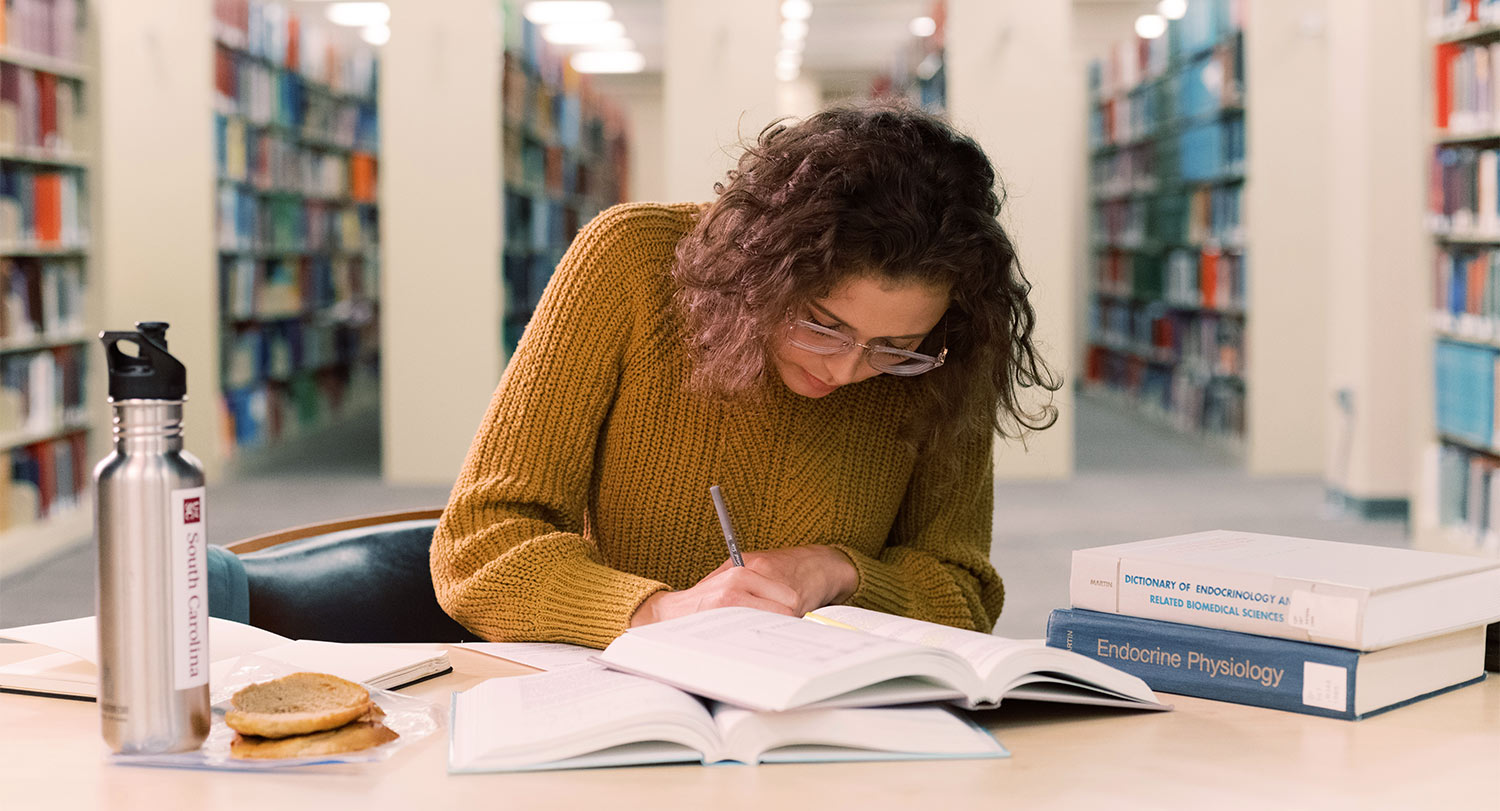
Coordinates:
(747, 686)
(1323, 628)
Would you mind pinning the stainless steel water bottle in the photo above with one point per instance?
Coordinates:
(149, 522)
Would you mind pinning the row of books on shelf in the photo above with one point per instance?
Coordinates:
(1204, 214)
(272, 31)
(1463, 193)
(38, 110)
(1206, 279)
(41, 391)
(41, 207)
(1332, 629)
(543, 224)
(281, 350)
(44, 27)
(1205, 344)
(566, 113)
(1465, 377)
(1210, 85)
(526, 277)
(530, 163)
(1447, 18)
(330, 288)
(267, 96)
(1179, 395)
(270, 411)
(254, 222)
(43, 479)
(1467, 88)
(271, 161)
(1466, 292)
(41, 299)
(1466, 494)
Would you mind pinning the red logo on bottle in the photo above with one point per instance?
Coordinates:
(192, 510)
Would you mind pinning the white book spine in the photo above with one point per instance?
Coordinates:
(1248, 602)
(1489, 205)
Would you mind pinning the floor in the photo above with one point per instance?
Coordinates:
(1134, 480)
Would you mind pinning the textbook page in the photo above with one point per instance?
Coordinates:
(547, 656)
(982, 651)
(872, 733)
(551, 719)
(768, 661)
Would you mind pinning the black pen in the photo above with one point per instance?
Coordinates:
(723, 511)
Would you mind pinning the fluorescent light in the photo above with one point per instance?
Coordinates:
(1150, 26)
(583, 33)
(608, 62)
(359, 15)
(923, 27)
(549, 12)
(378, 34)
(791, 58)
(787, 73)
(1172, 9)
(793, 29)
(797, 45)
(796, 9)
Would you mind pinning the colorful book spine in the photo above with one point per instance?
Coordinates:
(1221, 665)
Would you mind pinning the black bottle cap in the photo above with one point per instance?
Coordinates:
(151, 373)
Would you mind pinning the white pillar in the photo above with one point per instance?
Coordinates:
(1377, 332)
(1287, 236)
(440, 217)
(1012, 84)
(719, 84)
(152, 184)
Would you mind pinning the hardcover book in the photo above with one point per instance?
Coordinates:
(1269, 672)
(1342, 594)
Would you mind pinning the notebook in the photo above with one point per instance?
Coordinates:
(71, 670)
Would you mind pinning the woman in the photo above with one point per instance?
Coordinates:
(833, 341)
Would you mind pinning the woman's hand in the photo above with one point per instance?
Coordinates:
(790, 581)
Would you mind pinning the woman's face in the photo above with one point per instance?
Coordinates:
(869, 309)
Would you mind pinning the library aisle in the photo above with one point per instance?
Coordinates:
(1135, 479)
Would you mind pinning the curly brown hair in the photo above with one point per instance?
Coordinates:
(873, 189)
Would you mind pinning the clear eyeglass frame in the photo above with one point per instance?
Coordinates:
(821, 340)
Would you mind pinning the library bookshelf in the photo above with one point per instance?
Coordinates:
(45, 433)
(564, 159)
(1167, 314)
(1458, 501)
(296, 141)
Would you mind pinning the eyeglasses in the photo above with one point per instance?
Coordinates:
(822, 340)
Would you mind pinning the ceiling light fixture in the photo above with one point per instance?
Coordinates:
(793, 29)
(796, 9)
(358, 15)
(1150, 26)
(923, 27)
(1172, 9)
(608, 62)
(378, 34)
(583, 33)
(551, 12)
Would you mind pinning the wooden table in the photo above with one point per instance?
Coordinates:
(1439, 753)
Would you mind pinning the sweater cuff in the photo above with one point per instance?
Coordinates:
(590, 603)
(880, 586)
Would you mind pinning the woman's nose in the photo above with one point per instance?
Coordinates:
(845, 368)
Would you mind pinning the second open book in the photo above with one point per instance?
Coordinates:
(841, 656)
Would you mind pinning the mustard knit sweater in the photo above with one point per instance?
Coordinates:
(586, 488)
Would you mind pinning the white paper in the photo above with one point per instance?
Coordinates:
(547, 656)
(1325, 686)
(80, 637)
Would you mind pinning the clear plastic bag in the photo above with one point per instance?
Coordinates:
(411, 718)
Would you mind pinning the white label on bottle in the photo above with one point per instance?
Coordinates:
(190, 587)
(1325, 686)
(1324, 616)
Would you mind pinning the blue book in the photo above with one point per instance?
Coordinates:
(1263, 671)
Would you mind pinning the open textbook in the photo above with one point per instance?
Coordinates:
(71, 669)
(583, 717)
(841, 656)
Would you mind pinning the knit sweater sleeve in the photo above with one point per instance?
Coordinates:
(936, 565)
(509, 559)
